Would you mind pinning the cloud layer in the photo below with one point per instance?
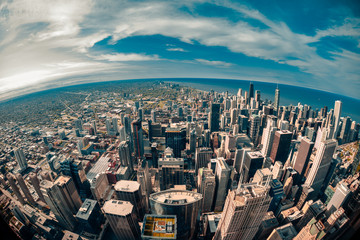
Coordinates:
(47, 43)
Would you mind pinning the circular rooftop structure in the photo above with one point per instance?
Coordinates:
(176, 197)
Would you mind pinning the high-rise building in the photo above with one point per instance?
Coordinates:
(162, 227)
(252, 162)
(302, 159)
(285, 232)
(251, 91)
(321, 165)
(314, 210)
(192, 141)
(243, 212)
(341, 194)
(277, 99)
(254, 128)
(125, 155)
(122, 219)
(138, 138)
(202, 157)
(131, 191)
(21, 159)
(36, 184)
(206, 186)
(222, 176)
(58, 204)
(171, 170)
(184, 204)
(281, 146)
(345, 130)
(337, 115)
(25, 189)
(90, 216)
(214, 117)
(268, 135)
(67, 188)
(15, 188)
(175, 138)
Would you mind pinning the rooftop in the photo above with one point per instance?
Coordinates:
(117, 207)
(86, 209)
(159, 227)
(100, 166)
(127, 186)
(176, 197)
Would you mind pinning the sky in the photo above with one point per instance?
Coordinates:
(52, 43)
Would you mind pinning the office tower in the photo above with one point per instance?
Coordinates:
(78, 124)
(202, 157)
(125, 155)
(233, 116)
(115, 125)
(214, 117)
(206, 186)
(302, 159)
(314, 210)
(252, 162)
(243, 123)
(14, 188)
(222, 177)
(162, 227)
(74, 169)
(278, 170)
(268, 135)
(144, 179)
(345, 130)
(122, 133)
(46, 175)
(277, 194)
(90, 216)
(243, 212)
(24, 188)
(131, 191)
(281, 146)
(340, 196)
(321, 165)
(140, 114)
(285, 232)
(257, 96)
(277, 99)
(21, 159)
(251, 91)
(171, 170)
(192, 141)
(122, 219)
(93, 123)
(254, 128)
(67, 188)
(108, 127)
(153, 116)
(337, 115)
(138, 138)
(263, 176)
(175, 138)
(184, 204)
(58, 204)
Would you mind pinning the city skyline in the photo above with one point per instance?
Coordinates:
(65, 43)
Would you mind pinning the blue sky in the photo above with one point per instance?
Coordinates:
(50, 43)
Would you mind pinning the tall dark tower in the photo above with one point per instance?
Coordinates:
(277, 99)
(175, 138)
(138, 138)
(281, 146)
(251, 91)
(302, 159)
(214, 117)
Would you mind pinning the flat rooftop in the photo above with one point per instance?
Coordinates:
(159, 227)
(127, 186)
(86, 209)
(176, 197)
(100, 166)
(249, 191)
(117, 207)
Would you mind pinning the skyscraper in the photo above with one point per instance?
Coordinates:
(268, 135)
(15, 188)
(337, 115)
(321, 165)
(171, 170)
(67, 188)
(138, 138)
(254, 128)
(277, 99)
(243, 212)
(281, 146)
(20, 158)
(58, 204)
(251, 91)
(131, 191)
(206, 186)
(36, 184)
(302, 158)
(214, 117)
(202, 157)
(222, 176)
(340, 196)
(25, 189)
(175, 138)
(125, 155)
(122, 219)
(252, 162)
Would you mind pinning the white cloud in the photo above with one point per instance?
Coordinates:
(176, 50)
(214, 63)
(121, 57)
